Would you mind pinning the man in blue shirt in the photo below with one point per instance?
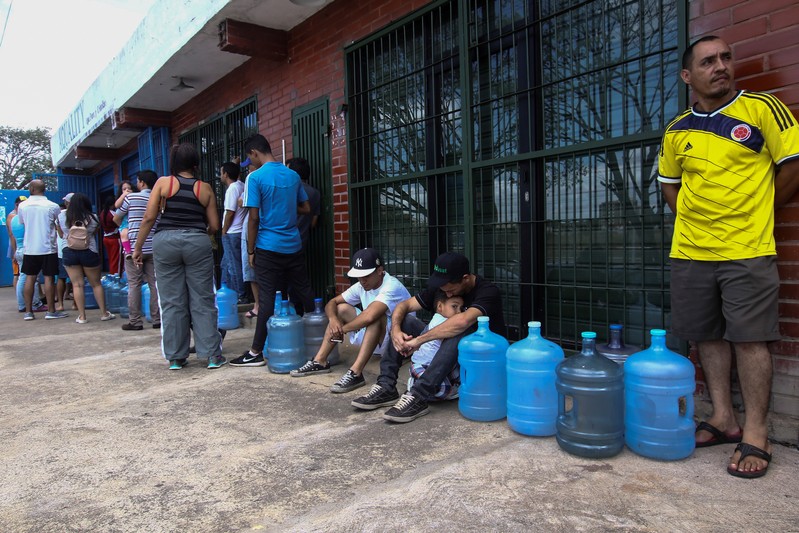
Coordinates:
(275, 197)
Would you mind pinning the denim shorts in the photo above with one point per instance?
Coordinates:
(84, 258)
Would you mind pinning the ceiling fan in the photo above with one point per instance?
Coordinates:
(182, 85)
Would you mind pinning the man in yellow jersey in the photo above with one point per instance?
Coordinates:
(724, 165)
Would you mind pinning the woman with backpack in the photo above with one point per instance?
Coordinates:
(79, 226)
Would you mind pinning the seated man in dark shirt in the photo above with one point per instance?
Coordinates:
(451, 274)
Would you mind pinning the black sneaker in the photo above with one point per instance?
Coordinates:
(311, 367)
(407, 409)
(349, 381)
(378, 396)
(248, 359)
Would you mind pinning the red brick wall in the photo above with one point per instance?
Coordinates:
(764, 35)
(315, 69)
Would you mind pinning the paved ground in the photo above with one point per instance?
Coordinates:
(98, 436)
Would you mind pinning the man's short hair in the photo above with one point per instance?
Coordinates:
(258, 143)
(232, 170)
(301, 167)
(688, 55)
(149, 177)
(36, 187)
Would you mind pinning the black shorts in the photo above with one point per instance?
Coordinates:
(84, 258)
(737, 301)
(46, 264)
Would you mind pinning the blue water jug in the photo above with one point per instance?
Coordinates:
(286, 347)
(105, 281)
(615, 349)
(227, 306)
(590, 403)
(112, 302)
(659, 402)
(88, 294)
(483, 391)
(145, 302)
(124, 309)
(315, 326)
(532, 396)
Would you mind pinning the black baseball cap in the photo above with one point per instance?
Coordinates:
(364, 262)
(449, 267)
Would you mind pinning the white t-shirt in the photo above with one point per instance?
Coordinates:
(232, 196)
(390, 292)
(428, 350)
(39, 215)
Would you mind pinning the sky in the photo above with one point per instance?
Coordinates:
(53, 50)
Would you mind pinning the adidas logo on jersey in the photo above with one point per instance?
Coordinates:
(688, 146)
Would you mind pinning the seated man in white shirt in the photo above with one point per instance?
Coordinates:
(378, 293)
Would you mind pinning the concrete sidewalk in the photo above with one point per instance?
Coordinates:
(99, 436)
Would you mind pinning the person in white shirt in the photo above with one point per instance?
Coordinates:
(231, 230)
(39, 216)
(378, 293)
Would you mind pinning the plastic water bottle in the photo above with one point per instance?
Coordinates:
(105, 281)
(286, 348)
(532, 396)
(112, 302)
(483, 391)
(227, 306)
(590, 403)
(124, 309)
(90, 302)
(659, 402)
(315, 326)
(145, 302)
(615, 350)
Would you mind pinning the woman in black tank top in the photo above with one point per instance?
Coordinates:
(184, 261)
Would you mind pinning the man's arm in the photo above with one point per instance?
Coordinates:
(786, 182)
(370, 315)
(11, 238)
(449, 328)
(670, 192)
(304, 208)
(252, 234)
(399, 338)
(228, 221)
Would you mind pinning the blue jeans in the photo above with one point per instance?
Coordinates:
(231, 263)
(440, 367)
(37, 302)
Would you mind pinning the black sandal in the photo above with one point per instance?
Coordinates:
(747, 450)
(719, 437)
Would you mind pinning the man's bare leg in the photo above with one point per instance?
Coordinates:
(346, 313)
(755, 375)
(716, 359)
(373, 335)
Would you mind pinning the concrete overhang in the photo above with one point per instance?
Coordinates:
(178, 40)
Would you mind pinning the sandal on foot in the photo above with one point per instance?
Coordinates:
(250, 314)
(719, 437)
(747, 450)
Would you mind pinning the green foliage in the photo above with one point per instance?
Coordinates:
(23, 153)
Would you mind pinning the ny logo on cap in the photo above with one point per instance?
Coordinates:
(359, 262)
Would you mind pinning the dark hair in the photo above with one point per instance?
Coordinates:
(183, 156)
(20, 199)
(80, 208)
(688, 55)
(232, 170)
(121, 184)
(300, 166)
(257, 142)
(149, 177)
(108, 202)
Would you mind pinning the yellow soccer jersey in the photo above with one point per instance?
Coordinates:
(725, 163)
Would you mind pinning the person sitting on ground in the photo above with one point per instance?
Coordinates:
(451, 274)
(446, 307)
(378, 293)
(81, 258)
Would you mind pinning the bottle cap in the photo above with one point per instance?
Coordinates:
(316, 300)
(589, 335)
(482, 319)
(534, 324)
(615, 326)
(657, 332)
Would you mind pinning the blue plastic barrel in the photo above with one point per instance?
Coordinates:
(532, 396)
(286, 347)
(227, 306)
(90, 301)
(659, 402)
(590, 403)
(112, 300)
(483, 391)
(315, 326)
(615, 349)
(145, 302)
(124, 309)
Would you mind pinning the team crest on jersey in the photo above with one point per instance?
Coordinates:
(741, 132)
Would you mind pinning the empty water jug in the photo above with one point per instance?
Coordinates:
(315, 327)
(88, 294)
(532, 396)
(227, 307)
(124, 309)
(590, 403)
(145, 302)
(659, 402)
(112, 302)
(105, 281)
(483, 391)
(286, 347)
(615, 350)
